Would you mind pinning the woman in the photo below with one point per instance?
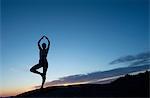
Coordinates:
(43, 60)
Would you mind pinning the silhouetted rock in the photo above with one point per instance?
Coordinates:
(128, 86)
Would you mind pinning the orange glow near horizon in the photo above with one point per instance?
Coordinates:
(14, 91)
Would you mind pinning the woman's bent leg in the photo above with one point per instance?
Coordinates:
(34, 69)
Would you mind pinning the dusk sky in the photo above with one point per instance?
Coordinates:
(85, 35)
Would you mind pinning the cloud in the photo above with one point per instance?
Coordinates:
(134, 60)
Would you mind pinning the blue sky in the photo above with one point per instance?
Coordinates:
(85, 36)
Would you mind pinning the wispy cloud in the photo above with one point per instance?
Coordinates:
(134, 60)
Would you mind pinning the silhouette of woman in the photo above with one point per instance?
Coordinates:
(43, 61)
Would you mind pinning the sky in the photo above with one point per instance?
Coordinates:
(85, 35)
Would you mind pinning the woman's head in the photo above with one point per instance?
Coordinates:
(43, 45)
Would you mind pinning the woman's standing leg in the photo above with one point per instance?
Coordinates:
(44, 74)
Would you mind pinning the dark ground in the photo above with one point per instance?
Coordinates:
(128, 86)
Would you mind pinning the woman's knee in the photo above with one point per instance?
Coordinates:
(32, 69)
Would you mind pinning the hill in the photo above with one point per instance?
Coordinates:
(128, 86)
